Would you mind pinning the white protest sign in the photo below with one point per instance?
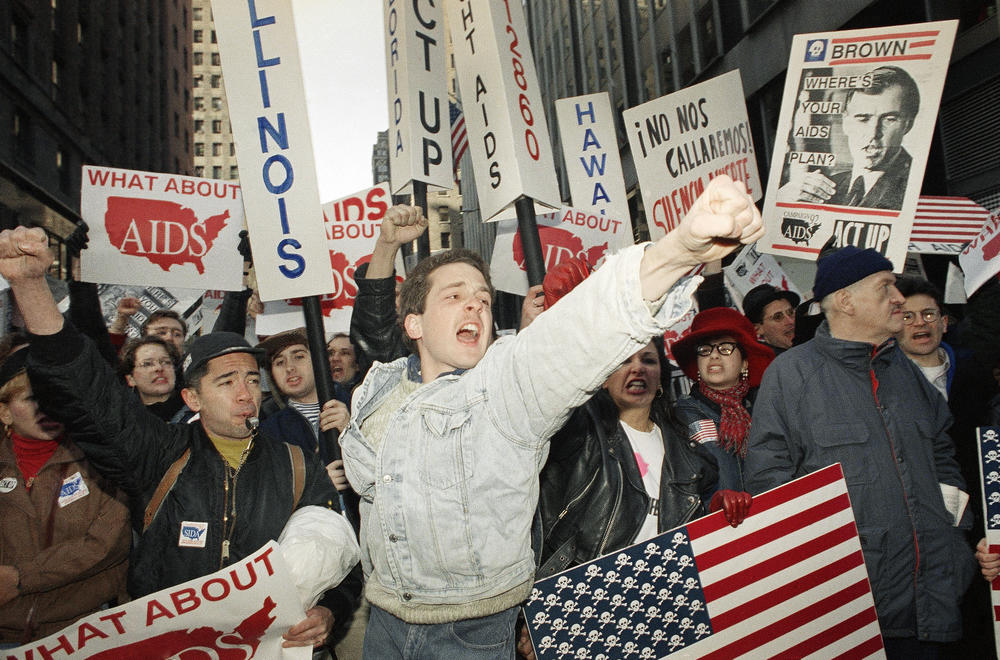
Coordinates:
(979, 260)
(240, 612)
(504, 116)
(263, 76)
(160, 229)
(751, 268)
(564, 234)
(419, 122)
(683, 140)
(856, 122)
(352, 227)
(590, 154)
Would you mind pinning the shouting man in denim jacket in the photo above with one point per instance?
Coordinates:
(445, 446)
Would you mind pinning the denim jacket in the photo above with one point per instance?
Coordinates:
(449, 493)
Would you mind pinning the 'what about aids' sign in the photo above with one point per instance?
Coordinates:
(161, 229)
(237, 613)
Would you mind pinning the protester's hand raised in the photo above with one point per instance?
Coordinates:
(24, 254)
(402, 224)
(128, 306)
(721, 219)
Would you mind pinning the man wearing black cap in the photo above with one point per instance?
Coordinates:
(772, 312)
(215, 491)
(851, 396)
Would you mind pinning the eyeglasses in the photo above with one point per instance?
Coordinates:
(928, 315)
(780, 316)
(153, 364)
(724, 348)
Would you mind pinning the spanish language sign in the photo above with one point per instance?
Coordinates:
(352, 227)
(683, 140)
(263, 75)
(564, 234)
(508, 135)
(856, 122)
(160, 229)
(416, 66)
(239, 612)
(591, 160)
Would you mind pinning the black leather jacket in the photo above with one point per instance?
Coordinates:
(133, 448)
(592, 500)
(375, 331)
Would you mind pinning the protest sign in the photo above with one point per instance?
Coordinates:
(788, 582)
(352, 227)
(750, 268)
(979, 259)
(564, 234)
(151, 299)
(988, 446)
(419, 119)
(944, 225)
(591, 160)
(683, 140)
(160, 229)
(502, 102)
(262, 69)
(855, 128)
(239, 612)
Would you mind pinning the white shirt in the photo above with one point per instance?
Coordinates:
(647, 446)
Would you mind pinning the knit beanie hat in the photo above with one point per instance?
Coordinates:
(846, 266)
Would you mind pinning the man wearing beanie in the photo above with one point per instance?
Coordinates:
(851, 396)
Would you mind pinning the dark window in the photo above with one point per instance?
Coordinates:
(216, 81)
(216, 125)
(199, 57)
(217, 172)
(199, 148)
(234, 172)
(216, 61)
(198, 36)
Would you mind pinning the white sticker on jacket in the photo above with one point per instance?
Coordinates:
(8, 484)
(73, 488)
(193, 534)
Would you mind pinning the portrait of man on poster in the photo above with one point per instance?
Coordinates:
(875, 120)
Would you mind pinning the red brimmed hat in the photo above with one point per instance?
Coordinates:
(715, 322)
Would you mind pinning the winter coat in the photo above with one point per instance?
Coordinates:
(592, 499)
(870, 408)
(82, 565)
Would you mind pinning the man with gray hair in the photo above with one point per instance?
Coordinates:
(851, 396)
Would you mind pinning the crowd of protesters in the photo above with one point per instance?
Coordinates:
(476, 465)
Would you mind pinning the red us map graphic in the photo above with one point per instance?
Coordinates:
(201, 643)
(165, 233)
(559, 244)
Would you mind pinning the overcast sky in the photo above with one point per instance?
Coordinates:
(343, 61)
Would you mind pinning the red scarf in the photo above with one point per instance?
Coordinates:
(31, 455)
(734, 423)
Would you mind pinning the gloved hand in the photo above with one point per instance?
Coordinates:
(243, 247)
(734, 503)
(77, 240)
(563, 278)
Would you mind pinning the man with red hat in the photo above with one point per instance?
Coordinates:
(851, 396)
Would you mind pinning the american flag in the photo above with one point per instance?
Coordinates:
(989, 479)
(945, 221)
(702, 431)
(789, 581)
(459, 137)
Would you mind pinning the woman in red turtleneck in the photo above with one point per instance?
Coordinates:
(64, 535)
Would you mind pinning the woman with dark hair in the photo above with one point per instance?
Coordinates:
(722, 355)
(621, 470)
(149, 366)
(64, 536)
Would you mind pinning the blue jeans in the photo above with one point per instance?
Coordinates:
(488, 638)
